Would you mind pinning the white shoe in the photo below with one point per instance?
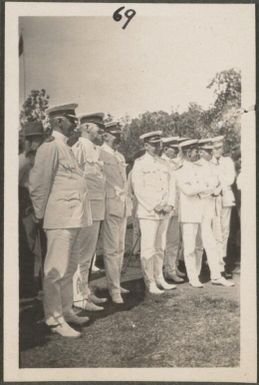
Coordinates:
(222, 282)
(165, 285)
(87, 305)
(196, 284)
(117, 298)
(153, 289)
(75, 319)
(64, 330)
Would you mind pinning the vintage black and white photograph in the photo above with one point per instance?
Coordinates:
(131, 171)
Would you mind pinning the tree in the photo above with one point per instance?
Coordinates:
(34, 107)
(225, 113)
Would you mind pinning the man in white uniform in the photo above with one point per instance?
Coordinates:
(87, 151)
(190, 183)
(170, 155)
(60, 198)
(209, 176)
(226, 173)
(151, 181)
(116, 210)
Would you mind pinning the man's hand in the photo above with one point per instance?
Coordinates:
(159, 208)
(168, 209)
(38, 221)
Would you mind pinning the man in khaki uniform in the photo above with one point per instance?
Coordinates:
(60, 198)
(151, 181)
(170, 155)
(87, 153)
(226, 172)
(116, 210)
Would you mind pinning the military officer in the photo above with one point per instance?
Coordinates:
(190, 210)
(226, 173)
(170, 155)
(151, 181)
(116, 210)
(60, 199)
(210, 177)
(87, 151)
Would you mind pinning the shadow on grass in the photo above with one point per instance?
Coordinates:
(33, 332)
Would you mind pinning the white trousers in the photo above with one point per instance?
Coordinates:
(192, 249)
(86, 248)
(59, 267)
(113, 237)
(153, 241)
(221, 228)
(172, 245)
(208, 238)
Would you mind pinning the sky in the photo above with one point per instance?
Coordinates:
(156, 63)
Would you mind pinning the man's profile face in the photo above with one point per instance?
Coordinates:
(207, 155)
(218, 151)
(95, 133)
(68, 125)
(194, 154)
(154, 148)
(171, 152)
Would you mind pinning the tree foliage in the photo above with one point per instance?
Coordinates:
(34, 107)
(222, 118)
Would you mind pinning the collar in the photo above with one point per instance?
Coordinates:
(60, 137)
(215, 161)
(108, 149)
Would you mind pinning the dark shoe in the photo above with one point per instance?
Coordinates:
(227, 275)
(95, 299)
(173, 277)
(124, 291)
(180, 273)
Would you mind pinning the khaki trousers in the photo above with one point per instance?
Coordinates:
(113, 237)
(85, 247)
(153, 241)
(59, 267)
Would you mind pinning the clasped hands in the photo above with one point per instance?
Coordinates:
(163, 209)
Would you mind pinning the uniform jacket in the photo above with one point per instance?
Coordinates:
(191, 184)
(87, 155)
(153, 185)
(114, 168)
(57, 187)
(226, 173)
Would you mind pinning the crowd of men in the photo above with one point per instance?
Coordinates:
(178, 192)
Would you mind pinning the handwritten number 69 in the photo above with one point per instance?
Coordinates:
(129, 14)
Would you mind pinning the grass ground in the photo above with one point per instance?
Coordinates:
(185, 327)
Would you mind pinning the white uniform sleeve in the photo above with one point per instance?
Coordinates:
(191, 188)
(41, 177)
